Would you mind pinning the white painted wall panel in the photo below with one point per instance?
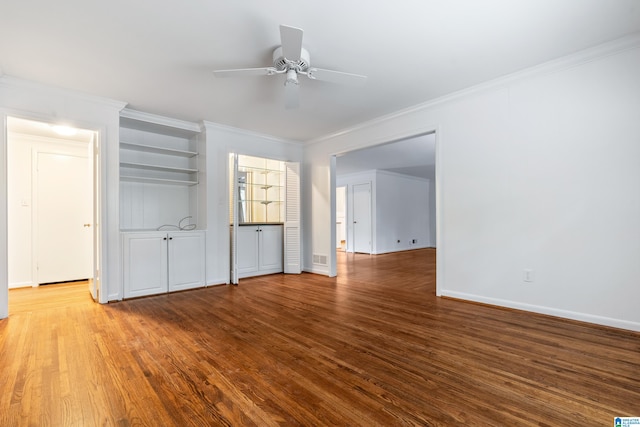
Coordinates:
(402, 212)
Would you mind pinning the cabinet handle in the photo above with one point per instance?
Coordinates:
(170, 238)
(164, 238)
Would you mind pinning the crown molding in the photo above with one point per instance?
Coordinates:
(18, 83)
(603, 50)
(142, 120)
(206, 125)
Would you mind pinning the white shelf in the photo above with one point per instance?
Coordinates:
(145, 166)
(157, 180)
(159, 170)
(157, 150)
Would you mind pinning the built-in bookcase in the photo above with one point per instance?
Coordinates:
(160, 172)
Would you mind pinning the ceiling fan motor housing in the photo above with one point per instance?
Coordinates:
(281, 63)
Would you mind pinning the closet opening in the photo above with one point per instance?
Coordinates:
(264, 217)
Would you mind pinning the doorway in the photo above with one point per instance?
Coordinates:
(402, 177)
(52, 205)
(264, 217)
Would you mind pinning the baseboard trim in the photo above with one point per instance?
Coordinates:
(565, 314)
(18, 285)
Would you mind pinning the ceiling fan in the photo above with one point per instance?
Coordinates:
(293, 60)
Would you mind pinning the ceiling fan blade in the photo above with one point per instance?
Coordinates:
(245, 72)
(291, 39)
(336, 77)
(291, 96)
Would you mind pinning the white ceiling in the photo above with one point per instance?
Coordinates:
(159, 55)
(412, 156)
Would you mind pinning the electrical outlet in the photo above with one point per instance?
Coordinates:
(527, 275)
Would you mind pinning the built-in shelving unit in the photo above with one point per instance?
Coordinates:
(159, 170)
(148, 163)
(261, 186)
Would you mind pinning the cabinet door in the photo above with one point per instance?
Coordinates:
(247, 250)
(270, 248)
(186, 260)
(145, 264)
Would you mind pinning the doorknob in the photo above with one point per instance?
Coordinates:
(87, 225)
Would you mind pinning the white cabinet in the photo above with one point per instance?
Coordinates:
(259, 250)
(157, 262)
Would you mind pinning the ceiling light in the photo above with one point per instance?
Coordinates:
(64, 130)
(292, 77)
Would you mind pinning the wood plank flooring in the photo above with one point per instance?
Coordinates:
(373, 347)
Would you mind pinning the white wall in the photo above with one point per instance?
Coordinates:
(28, 100)
(400, 210)
(538, 170)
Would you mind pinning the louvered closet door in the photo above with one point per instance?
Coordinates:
(292, 235)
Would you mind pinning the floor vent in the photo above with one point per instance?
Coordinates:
(319, 259)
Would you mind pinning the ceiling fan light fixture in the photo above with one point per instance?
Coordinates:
(292, 77)
(292, 59)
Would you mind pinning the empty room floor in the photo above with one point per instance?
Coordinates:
(373, 346)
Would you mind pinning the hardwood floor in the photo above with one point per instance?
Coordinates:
(371, 347)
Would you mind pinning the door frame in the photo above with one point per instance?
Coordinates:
(232, 210)
(401, 135)
(100, 184)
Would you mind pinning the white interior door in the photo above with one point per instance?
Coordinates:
(362, 218)
(234, 217)
(292, 235)
(94, 173)
(64, 218)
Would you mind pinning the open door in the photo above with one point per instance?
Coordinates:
(362, 218)
(94, 281)
(292, 236)
(235, 189)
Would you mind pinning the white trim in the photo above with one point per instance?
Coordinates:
(18, 285)
(324, 271)
(333, 257)
(438, 186)
(4, 226)
(550, 311)
(568, 61)
(155, 119)
(244, 132)
(15, 82)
